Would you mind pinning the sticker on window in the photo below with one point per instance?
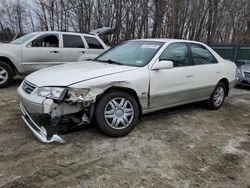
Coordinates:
(139, 62)
(151, 46)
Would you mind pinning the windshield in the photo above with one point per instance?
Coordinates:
(23, 39)
(132, 53)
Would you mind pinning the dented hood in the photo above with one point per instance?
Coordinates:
(71, 73)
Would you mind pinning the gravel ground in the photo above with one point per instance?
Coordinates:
(188, 146)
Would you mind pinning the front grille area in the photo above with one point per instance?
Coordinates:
(28, 87)
(247, 74)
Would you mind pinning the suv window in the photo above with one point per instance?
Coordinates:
(178, 53)
(93, 43)
(47, 41)
(72, 41)
(201, 55)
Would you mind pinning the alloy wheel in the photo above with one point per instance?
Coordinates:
(3, 75)
(119, 113)
(219, 96)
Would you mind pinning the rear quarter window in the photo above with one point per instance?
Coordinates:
(93, 43)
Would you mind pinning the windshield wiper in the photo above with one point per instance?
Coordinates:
(110, 62)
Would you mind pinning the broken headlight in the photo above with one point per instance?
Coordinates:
(77, 94)
(50, 92)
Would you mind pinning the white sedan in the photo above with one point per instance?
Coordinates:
(116, 88)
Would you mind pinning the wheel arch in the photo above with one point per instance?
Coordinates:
(10, 63)
(126, 90)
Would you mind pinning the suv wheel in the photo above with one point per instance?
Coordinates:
(117, 113)
(6, 74)
(218, 96)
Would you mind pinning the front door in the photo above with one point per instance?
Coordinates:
(42, 52)
(170, 87)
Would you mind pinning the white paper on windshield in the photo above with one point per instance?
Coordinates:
(151, 46)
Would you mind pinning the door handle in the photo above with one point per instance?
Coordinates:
(56, 52)
(82, 52)
(189, 76)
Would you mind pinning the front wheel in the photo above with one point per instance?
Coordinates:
(218, 96)
(117, 113)
(6, 74)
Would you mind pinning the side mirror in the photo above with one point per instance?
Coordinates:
(163, 64)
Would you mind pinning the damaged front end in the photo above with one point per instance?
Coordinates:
(61, 110)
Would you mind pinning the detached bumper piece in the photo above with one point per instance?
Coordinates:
(39, 131)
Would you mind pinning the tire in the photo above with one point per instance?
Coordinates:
(117, 113)
(217, 98)
(6, 74)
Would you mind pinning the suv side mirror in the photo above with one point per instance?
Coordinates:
(163, 64)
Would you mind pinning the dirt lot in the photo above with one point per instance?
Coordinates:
(187, 146)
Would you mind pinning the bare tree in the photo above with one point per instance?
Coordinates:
(210, 21)
(158, 16)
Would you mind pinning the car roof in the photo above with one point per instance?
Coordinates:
(167, 40)
(66, 32)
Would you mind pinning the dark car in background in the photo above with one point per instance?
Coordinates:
(243, 73)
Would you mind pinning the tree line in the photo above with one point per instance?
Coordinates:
(209, 21)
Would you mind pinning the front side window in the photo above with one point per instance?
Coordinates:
(177, 53)
(72, 41)
(132, 53)
(201, 55)
(93, 43)
(46, 41)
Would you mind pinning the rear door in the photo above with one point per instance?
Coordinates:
(73, 47)
(206, 70)
(42, 52)
(95, 47)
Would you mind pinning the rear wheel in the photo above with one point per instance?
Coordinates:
(218, 96)
(117, 113)
(6, 74)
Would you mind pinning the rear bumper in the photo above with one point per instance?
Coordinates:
(232, 84)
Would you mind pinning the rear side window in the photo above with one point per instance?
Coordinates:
(177, 53)
(201, 55)
(72, 41)
(93, 43)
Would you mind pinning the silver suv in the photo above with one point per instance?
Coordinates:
(39, 50)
